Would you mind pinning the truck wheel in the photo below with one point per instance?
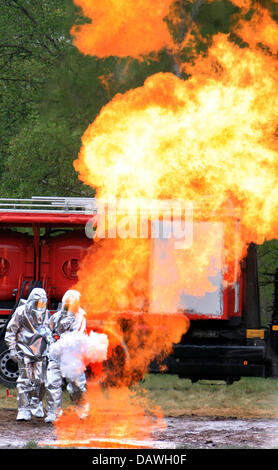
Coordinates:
(8, 368)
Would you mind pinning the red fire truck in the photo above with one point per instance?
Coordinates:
(42, 242)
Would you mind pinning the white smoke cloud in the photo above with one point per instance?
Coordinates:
(75, 350)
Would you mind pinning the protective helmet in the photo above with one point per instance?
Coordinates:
(37, 303)
(71, 302)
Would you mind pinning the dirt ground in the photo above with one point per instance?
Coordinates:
(181, 432)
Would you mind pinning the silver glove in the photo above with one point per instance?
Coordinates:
(14, 355)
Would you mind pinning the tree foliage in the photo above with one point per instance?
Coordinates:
(34, 43)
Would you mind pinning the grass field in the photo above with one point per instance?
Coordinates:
(247, 398)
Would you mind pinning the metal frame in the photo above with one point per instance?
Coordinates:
(38, 204)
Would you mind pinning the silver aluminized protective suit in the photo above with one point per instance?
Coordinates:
(28, 337)
(62, 322)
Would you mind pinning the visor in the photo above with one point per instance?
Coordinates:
(41, 304)
(71, 305)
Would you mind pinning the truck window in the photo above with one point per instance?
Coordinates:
(189, 279)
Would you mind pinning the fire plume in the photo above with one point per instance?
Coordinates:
(211, 135)
(260, 31)
(122, 27)
(119, 417)
(210, 139)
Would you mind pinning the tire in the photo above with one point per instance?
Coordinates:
(8, 368)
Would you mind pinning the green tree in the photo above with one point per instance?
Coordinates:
(48, 91)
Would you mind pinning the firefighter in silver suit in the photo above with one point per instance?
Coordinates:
(69, 318)
(28, 337)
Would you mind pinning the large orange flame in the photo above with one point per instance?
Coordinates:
(119, 417)
(211, 139)
(134, 28)
(212, 135)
